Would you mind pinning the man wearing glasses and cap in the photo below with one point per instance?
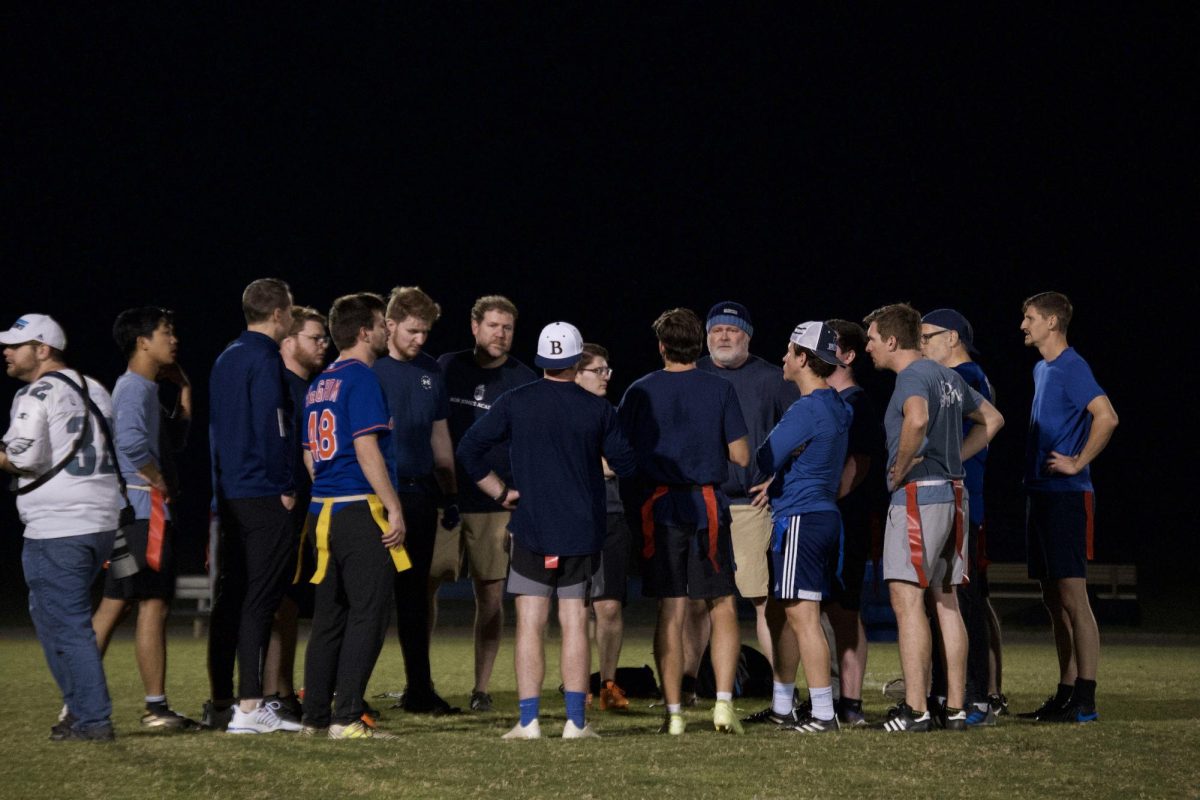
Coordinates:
(58, 446)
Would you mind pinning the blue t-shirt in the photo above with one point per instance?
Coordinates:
(948, 398)
(972, 373)
(866, 439)
(137, 435)
(556, 432)
(471, 391)
(680, 425)
(416, 397)
(344, 402)
(763, 396)
(807, 451)
(1059, 421)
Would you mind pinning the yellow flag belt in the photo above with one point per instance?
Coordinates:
(398, 553)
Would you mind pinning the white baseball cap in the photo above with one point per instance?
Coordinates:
(559, 346)
(35, 328)
(819, 338)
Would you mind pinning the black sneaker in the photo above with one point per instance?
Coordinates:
(1049, 708)
(850, 714)
(768, 716)
(1072, 713)
(999, 704)
(160, 716)
(811, 724)
(954, 719)
(284, 710)
(427, 703)
(481, 702)
(213, 718)
(937, 712)
(60, 729)
(98, 733)
(902, 719)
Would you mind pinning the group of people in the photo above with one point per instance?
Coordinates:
(345, 489)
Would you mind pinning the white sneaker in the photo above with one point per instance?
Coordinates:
(531, 731)
(261, 720)
(570, 731)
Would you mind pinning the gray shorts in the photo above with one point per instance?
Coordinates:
(538, 575)
(934, 549)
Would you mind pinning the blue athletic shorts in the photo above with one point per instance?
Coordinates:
(806, 551)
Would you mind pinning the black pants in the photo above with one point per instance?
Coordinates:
(412, 587)
(256, 557)
(350, 619)
(972, 604)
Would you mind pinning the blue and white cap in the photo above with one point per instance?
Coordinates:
(35, 328)
(730, 313)
(819, 338)
(560, 345)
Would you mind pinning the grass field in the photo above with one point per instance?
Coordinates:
(1147, 745)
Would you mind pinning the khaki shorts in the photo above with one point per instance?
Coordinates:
(447, 553)
(942, 564)
(751, 548)
(485, 537)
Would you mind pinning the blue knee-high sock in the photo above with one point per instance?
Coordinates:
(529, 709)
(575, 705)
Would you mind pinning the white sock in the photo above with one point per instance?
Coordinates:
(155, 698)
(822, 702)
(674, 708)
(781, 697)
(725, 696)
(982, 707)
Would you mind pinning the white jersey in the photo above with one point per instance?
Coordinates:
(84, 497)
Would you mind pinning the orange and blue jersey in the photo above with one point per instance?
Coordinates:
(343, 403)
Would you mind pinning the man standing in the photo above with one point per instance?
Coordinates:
(685, 426)
(474, 379)
(558, 433)
(416, 396)
(806, 453)
(303, 353)
(763, 396)
(925, 538)
(68, 498)
(356, 517)
(948, 338)
(862, 500)
(253, 454)
(146, 438)
(1070, 424)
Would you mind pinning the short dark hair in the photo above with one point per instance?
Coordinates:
(820, 367)
(492, 302)
(1053, 304)
(262, 297)
(410, 301)
(900, 320)
(133, 323)
(350, 314)
(301, 315)
(851, 337)
(681, 335)
(592, 352)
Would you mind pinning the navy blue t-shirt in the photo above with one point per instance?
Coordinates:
(416, 397)
(972, 373)
(471, 391)
(343, 403)
(764, 396)
(297, 388)
(807, 451)
(866, 439)
(557, 431)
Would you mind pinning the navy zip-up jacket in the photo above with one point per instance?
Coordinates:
(250, 434)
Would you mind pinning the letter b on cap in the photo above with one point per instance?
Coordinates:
(556, 348)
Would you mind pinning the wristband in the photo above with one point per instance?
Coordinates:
(503, 493)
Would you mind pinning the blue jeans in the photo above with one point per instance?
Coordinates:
(60, 573)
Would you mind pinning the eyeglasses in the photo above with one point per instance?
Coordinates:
(317, 339)
(602, 372)
(925, 337)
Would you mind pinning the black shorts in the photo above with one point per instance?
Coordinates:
(612, 582)
(858, 532)
(570, 578)
(680, 566)
(146, 583)
(1058, 534)
(302, 592)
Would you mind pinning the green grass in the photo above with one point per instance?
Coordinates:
(1148, 744)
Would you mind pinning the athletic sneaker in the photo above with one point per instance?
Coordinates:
(850, 716)
(673, 725)
(60, 729)
(213, 718)
(261, 720)
(97, 733)
(481, 701)
(571, 731)
(811, 724)
(612, 698)
(937, 712)
(426, 703)
(1048, 708)
(902, 719)
(358, 730)
(725, 719)
(163, 717)
(531, 731)
(768, 716)
(954, 719)
(999, 704)
(979, 718)
(288, 708)
(1073, 713)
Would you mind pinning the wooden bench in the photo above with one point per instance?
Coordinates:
(197, 589)
(1107, 581)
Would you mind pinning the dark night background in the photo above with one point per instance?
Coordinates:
(600, 168)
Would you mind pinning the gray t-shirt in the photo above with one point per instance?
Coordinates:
(949, 399)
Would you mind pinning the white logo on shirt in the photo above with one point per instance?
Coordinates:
(426, 383)
(950, 395)
(480, 391)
